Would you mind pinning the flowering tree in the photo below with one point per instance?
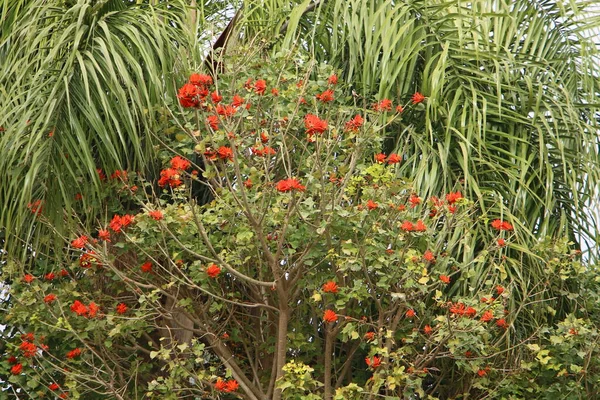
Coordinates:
(314, 272)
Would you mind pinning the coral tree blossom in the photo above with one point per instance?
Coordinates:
(417, 98)
(314, 124)
(213, 271)
(330, 287)
(373, 362)
(288, 185)
(329, 316)
(502, 225)
(355, 123)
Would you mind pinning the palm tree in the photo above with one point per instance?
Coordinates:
(83, 83)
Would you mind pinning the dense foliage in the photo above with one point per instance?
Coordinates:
(314, 270)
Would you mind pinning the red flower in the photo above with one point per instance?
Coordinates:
(260, 86)
(445, 279)
(35, 207)
(16, 369)
(226, 111)
(264, 137)
(371, 205)
(220, 385)
(410, 313)
(231, 386)
(287, 185)
(329, 316)
(146, 267)
(373, 362)
(355, 123)
(54, 386)
(116, 224)
(169, 177)
(330, 287)
(501, 242)
(414, 200)
(499, 290)
(74, 353)
(80, 242)
(213, 271)
(49, 276)
(121, 308)
(215, 97)
(200, 80)
(458, 309)
(29, 349)
(502, 225)
(470, 312)
(188, 95)
(501, 323)
(428, 256)
(453, 197)
(248, 183)
(225, 153)
(333, 79)
(394, 159)
(104, 234)
(64, 273)
(12, 360)
(487, 316)
(213, 122)
(380, 158)
(326, 96)
(156, 215)
(178, 162)
(417, 98)
(127, 220)
(237, 101)
(369, 336)
(420, 226)
(49, 298)
(275, 92)
(482, 372)
(314, 124)
(28, 278)
(92, 309)
(383, 105)
(407, 226)
(87, 259)
(79, 308)
(399, 109)
(427, 330)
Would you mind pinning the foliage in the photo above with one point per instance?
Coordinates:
(317, 270)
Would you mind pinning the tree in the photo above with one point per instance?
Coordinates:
(316, 271)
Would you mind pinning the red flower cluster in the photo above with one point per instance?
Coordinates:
(226, 386)
(288, 185)
(171, 176)
(329, 316)
(35, 207)
(193, 92)
(355, 123)
(121, 308)
(314, 124)
(50, 298)
(428, 256)
(417, 98)
(383, 105)
(178, 162)
(16, 369)
(445, 279)
(80, 242)
(369, 336)
(260, 86)
(427, 330)
(118, 222)
(326, 96)
(408, 226)
(85, 311)
(487, 316)
(502, 225)
(411, 313)
(28, 348)
(86, 260)
(146, 267)
(330, 287)
(264, 151)
(54, 386)
(392, 159)
(462, 310)
(373, 362)
(333, 79)
(156, 215)
(74, 353)
(371, 205)
(453, 197)
(213, 270)
(28, 278)
(225, 153)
